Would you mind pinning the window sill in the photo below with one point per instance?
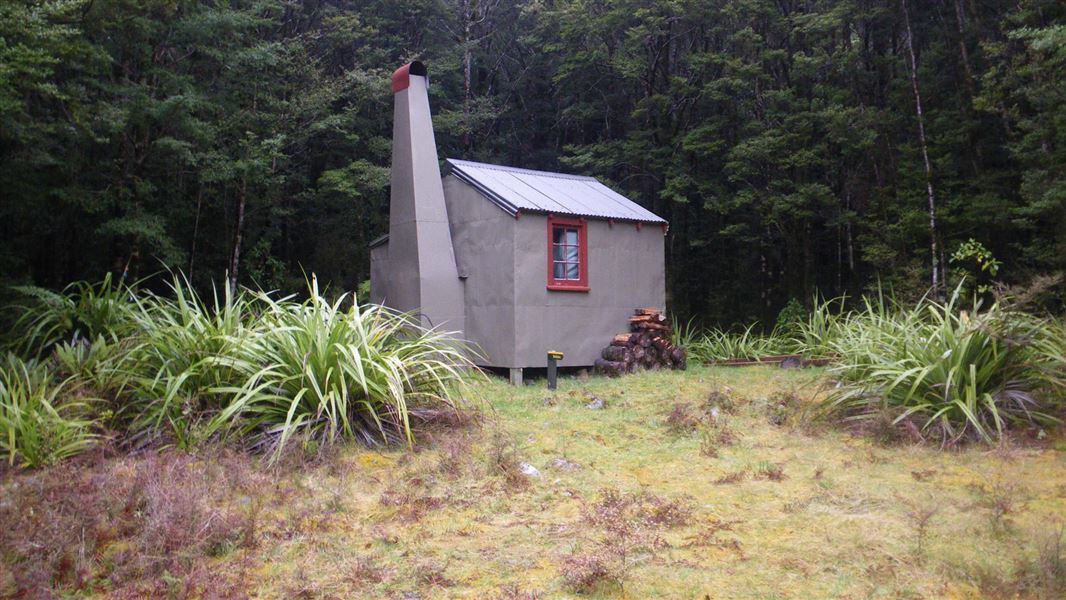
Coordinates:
(568, 288)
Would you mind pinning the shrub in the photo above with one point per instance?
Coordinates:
(1051, 350)
(92, 365)
(791, 317)
(682, 419)
(959, 374)
(185, 355)
(38, 424)
(784, 408)
(326, 372)
(186, 368)
(715, 434)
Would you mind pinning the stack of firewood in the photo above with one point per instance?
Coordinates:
(647, 346)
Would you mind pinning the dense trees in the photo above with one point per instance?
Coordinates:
(780, 138)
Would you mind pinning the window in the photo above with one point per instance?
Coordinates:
(567, 255)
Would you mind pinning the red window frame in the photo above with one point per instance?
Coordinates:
(581, 284)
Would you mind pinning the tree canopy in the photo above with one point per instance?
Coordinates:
(795, 146)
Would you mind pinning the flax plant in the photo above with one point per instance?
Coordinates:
(186, 348)
(325, 371)
(39, 422)
(957, 374)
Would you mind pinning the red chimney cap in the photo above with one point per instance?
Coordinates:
(401, 78)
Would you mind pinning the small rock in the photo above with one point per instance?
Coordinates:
(791, 363)
(596, 404)
(564, 465)
(714, 414)
(529, 470)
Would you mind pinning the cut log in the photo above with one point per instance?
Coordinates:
(610, 367)
(616, 353)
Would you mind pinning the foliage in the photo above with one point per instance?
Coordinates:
(778, 138)
(958, 374)
(156, 520)
(975, 261)
(822, 327)
(624, 527)
(81, 311)
(182, 369)
(790, 318)
(185, 350)
(327, 371)
(39, 425)
(716, 344)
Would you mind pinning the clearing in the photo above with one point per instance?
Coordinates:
(761, 505)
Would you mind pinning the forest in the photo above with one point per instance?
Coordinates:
(797, 147)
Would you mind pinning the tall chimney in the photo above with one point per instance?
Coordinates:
(424, 277)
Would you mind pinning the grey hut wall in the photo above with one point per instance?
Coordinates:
(483, 238)
(626, 271)
(512, 315)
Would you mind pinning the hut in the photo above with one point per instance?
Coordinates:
(519, 262)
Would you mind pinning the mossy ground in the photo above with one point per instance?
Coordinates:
(842, 522)
(455, 520)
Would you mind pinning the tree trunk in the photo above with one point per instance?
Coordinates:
(934, 252)
(196, 229)
(963, 54)
(235, 260)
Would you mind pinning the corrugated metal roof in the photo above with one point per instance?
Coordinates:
(519, 190)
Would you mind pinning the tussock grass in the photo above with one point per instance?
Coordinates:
(180, 369)
(331, 370)
(957, 374)
(82, 310)
(39, 424)
(749, 344)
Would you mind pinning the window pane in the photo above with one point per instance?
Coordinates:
(558, 234)
(572, 271)
(571, 237)
(571, 254)
(560, 270)
(558, 252)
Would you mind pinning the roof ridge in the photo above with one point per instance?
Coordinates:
(458, 162)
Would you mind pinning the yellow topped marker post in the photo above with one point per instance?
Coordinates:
(554, 356)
